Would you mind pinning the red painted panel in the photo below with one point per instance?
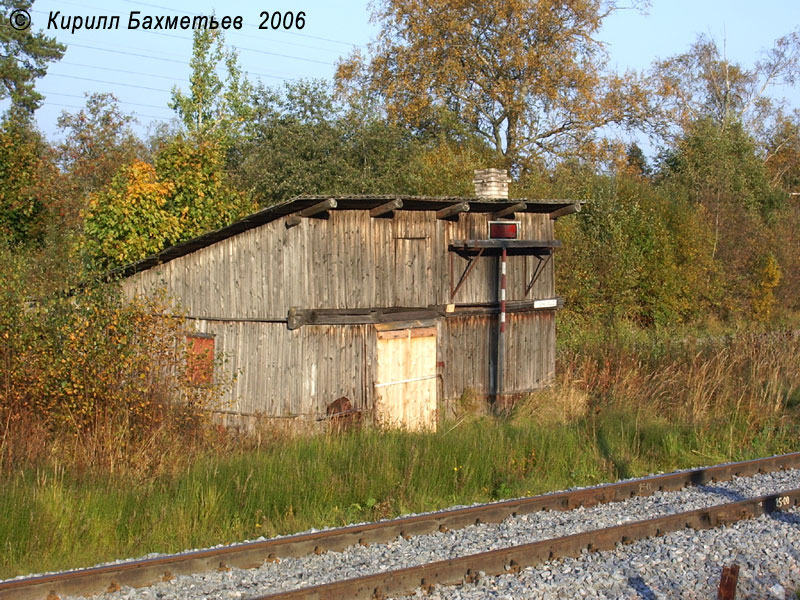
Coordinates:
(200, 360)
(503, 230)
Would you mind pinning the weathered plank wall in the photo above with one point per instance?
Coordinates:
(293, 373)
(298, 373)
(347, 261)
(353, 261)
(467, 347)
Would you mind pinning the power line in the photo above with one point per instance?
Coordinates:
(66, 62)
(118, 100)
(172, 60)
(80, 107)
(182, 37)
(232, 32)
(143, 87)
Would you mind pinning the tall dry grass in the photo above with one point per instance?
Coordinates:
(753, 376)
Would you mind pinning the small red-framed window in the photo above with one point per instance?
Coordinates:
(200, 358)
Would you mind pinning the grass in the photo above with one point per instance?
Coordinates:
(620, 410)
(51, 520)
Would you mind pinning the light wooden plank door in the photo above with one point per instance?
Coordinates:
(405, 387)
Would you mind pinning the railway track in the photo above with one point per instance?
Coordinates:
(512, 559)
(253, 554)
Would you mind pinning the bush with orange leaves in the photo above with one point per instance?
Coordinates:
(94, 381)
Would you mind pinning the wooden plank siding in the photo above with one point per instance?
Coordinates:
(286, 373)
(467, 347)
(352, 261)
(347, 261)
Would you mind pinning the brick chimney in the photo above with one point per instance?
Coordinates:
(491, 184)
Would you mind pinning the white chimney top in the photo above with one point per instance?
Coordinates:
(491, 183)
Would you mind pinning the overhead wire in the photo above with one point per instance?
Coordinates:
(48, 93)
(65, 62)
(257, 50)
(237, 33)
(134, 114)
(142, 53)
(133, 85)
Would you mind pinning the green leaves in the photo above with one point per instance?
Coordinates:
(24, 162)
(23, 59)
(147, 208)
(130, 219)
(213, 106)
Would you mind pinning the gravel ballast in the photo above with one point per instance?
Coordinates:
(685, 564)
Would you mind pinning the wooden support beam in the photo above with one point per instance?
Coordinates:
(318, 208)
(453, 210)
(566, 210)
(386, 209)
(509, 212)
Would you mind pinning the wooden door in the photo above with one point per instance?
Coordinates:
(405, 387)
(413, 284)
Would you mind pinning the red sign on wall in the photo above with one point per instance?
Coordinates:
(200, 359)
(503, 230)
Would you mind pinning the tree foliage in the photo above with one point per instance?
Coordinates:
(202, 196)
(782, 146)
(23, 59)
(215, 104)
(98, 142)
(702, 83)
(718, 163)
(526, 76)
(635, 252)
(27, 168)
(302, 141)
(130, 219)
(146, 208)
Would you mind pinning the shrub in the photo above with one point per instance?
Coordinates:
(91, 379)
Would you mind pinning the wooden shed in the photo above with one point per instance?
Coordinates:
(396, 303)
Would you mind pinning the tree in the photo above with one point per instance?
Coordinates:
(98, 142)
(301, 140)
(717, 167)
(783, 153)
(214, 105)
(27, 173)
(526, 76)
(201, 195)
(703, 83)
(130, 219)
(24, 56)
(719, 164)
(147, 208)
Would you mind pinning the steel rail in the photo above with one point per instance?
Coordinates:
(140, 573)
(512, 559)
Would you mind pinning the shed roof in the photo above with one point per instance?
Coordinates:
(288, 207)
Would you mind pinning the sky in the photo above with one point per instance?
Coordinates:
(141, 67)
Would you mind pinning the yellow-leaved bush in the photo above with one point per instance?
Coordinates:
(130, 219)
(147, 208)
(91, 379)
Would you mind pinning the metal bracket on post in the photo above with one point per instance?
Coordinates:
(538, 271)
(471, 262)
